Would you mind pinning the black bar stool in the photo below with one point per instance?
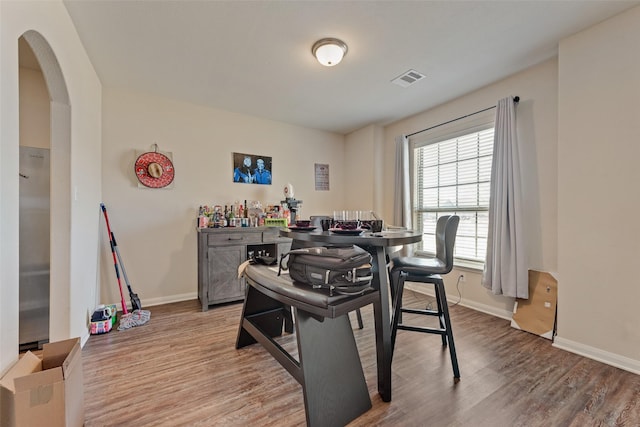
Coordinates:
(429, 271)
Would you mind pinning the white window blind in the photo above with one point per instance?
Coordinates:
(452, 176)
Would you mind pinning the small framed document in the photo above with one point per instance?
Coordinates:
(322, 177)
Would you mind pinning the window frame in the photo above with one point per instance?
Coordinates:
(437, 134)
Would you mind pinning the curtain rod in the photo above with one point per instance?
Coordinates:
(516, 99)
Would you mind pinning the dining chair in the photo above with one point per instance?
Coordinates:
(427, 270)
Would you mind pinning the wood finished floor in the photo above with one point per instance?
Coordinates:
(182, 369)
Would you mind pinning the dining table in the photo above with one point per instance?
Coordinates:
(378, 244)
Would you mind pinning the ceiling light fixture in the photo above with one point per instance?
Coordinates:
(329, 51)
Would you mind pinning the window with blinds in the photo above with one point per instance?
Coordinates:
(453, 176)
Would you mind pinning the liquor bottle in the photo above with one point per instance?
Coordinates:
(246, 211)
(232, 219)
(216, 216)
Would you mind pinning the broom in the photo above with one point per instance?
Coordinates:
(138, 316)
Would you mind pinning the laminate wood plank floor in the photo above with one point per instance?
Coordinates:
(182, 369)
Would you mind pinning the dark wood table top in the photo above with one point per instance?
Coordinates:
(381, 239)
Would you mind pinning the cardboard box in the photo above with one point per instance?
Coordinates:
(538, 314)
(49, 392)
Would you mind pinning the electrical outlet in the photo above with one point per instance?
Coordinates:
(462, 278)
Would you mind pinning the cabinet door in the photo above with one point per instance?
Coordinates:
(283, 248)
(222, 267)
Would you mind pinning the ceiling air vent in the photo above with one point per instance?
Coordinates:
(408, 78)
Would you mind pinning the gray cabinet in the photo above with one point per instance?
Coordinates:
(222, 250)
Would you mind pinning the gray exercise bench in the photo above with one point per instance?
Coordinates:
(328, 366)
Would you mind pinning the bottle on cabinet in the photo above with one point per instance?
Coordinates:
(243, 213)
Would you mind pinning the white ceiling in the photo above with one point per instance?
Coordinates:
(254, 57)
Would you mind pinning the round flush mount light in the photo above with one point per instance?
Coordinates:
(329, 51)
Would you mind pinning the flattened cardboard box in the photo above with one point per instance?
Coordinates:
(47, 392)
(538, 314)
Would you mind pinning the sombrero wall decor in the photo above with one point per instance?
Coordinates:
(154, 169)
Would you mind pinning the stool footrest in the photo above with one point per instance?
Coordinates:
(422, 329)
(418, 311)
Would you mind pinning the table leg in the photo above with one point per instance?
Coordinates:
(382, 321)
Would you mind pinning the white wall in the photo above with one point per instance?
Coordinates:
(537, 128)
(362, 148)
(155, 228)
(75, 299)
(34, 109)
(598, 152)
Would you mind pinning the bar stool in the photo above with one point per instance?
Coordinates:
(428, 271)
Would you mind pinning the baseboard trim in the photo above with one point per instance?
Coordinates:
(172, 298)
(474, 305)
(84, 338)
(589, 352)
(606, 357)
(150, 302)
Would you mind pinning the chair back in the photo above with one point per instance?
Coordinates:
(446, 229)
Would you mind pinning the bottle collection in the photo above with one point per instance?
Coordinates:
(237, 214)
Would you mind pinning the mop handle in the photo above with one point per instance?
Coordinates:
(124, 272)
(113, 254)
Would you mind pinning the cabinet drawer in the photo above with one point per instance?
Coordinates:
(233, 238)
(273, 236)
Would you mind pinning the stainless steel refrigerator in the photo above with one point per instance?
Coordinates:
(34, 247)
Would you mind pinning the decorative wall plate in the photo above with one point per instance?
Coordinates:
(154, 169)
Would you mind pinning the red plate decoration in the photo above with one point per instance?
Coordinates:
(154, 170)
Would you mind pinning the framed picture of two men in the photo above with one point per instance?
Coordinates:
(251, 169)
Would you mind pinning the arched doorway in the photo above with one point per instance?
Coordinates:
(60, 184)
(34, 201)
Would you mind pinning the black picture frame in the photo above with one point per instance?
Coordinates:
(252, 169)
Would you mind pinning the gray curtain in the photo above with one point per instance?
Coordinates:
(505, 268)
(402, 215)
(402, 201)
